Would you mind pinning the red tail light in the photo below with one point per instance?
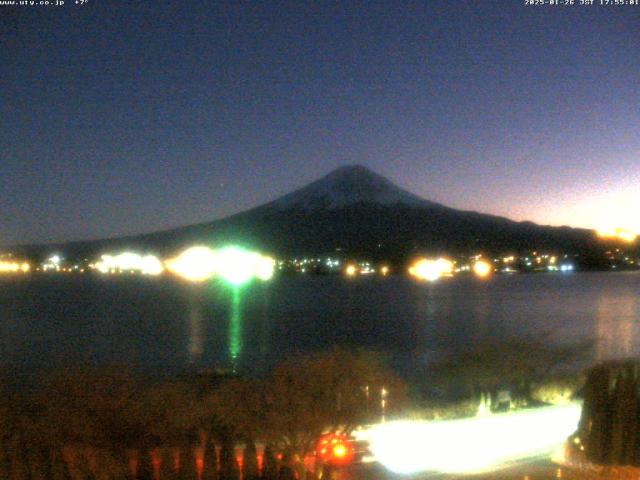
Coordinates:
(335, 449)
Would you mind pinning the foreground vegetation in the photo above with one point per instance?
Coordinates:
(112, 424)
(109, 423)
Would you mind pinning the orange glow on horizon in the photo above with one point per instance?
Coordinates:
(618, 234)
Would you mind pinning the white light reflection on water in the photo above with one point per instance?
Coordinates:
(196, 335)
(616, 325)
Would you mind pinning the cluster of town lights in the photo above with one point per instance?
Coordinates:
(196, 264)
(14, 267)
(433, 269)
(232, 264)
(130, 262)
(238, 266)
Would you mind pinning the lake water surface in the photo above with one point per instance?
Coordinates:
(164, 325)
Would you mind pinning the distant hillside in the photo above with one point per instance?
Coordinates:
(358, 212)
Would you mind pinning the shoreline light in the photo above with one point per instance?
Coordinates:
(431, 270)
(129, 262)
(234, 265)
(351, 271)
(265, 268)
(195, 264)
(14, 267)
(482, 269)
(238, 266)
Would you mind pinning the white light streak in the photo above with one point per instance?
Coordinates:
(471, 445)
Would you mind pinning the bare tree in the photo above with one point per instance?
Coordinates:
(306, 396)
(328, 391)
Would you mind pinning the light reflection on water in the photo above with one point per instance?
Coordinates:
(617, 325)
(235, 326)
(159, 323)
(196, 335)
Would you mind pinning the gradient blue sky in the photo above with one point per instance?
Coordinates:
(126, 117)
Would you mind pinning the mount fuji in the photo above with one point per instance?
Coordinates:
(355, 211)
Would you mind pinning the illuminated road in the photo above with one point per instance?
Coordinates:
(533, 470)
(517, 444)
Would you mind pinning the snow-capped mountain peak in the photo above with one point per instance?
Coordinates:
(347, 186)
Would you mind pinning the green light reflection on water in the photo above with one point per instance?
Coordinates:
(235, 325)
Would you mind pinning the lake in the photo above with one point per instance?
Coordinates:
(163, 325)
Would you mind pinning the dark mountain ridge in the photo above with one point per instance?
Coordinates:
(354, 211)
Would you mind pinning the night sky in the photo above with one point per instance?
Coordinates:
(127, 117)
